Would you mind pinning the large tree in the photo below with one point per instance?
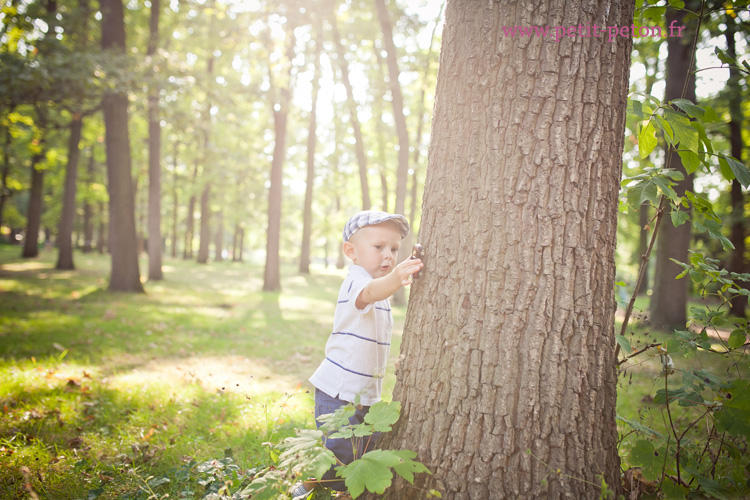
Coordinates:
(508, 378)
(123, 244)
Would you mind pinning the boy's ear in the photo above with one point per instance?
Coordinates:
(349, 250)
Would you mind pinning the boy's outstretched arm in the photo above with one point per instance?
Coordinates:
(382, 288)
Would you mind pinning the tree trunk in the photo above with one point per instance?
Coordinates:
(272, 272)
(235, 240)
(669, 299)
(397, 100)
(154, 156)
(88, 211)
(34, 213)
(4, 191)
(125, 275)
(398, 107)
(219, 239)
(359, 146)
(205, 235)
(304, 260)
(508, 371)
(737, 262)
(190, 221)
(101, 238)
(175, 203)
(242, 242)
(67, 218)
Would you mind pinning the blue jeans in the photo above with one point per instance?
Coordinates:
(346, 450)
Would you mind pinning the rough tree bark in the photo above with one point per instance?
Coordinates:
(668, 305)
(123, 242)
(508, 371)
(154, 153)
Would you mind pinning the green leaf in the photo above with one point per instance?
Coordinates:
(734, 421)
(383, 415)
(688, 107)
(679, 217)
(655, 14)
(726, 172)
(738, 169)
(723, 57)
(644, 191)
(408, 467)
(673, 491)
(637, 108)
(702, 135)
(737, 339)
(624, 343)
(372, 471)
(690, 160)
(640, 427)
(738, 395)
(644, 456)
(677, 4)
(713, 488)
(664, 125)
(684, 133)
(647, 140)
(711, 115)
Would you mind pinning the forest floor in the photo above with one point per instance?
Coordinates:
(123, 396)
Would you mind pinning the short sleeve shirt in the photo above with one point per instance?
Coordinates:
(357, 350)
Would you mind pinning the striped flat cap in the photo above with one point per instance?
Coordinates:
(372, 217)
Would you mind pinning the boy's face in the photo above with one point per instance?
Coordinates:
(375, 248)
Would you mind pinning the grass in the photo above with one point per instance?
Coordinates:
(102, 392)
(106, 395)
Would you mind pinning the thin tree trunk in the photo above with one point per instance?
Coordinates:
(242, 242)
(125, 275)
(175, 202)
(67, 218)
(4, 191)
(205, 235)
(304, 260)
(669, 299)
(154, 155)
(88, 212)
(737, 261)
(398, 107)
(397, 101)
(190, 221)
(235, 239)
(499, 384)
(358, 140)
(34, 213)
(219, 240)
(272, 272)
(101, 239)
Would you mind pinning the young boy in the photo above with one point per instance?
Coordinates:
(357, 351)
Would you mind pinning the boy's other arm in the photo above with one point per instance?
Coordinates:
(382, 288)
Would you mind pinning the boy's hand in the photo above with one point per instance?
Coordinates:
(404, 271)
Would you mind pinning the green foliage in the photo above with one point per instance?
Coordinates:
(705, 448)
(305, 456)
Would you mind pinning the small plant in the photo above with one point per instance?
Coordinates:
(304, 456)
